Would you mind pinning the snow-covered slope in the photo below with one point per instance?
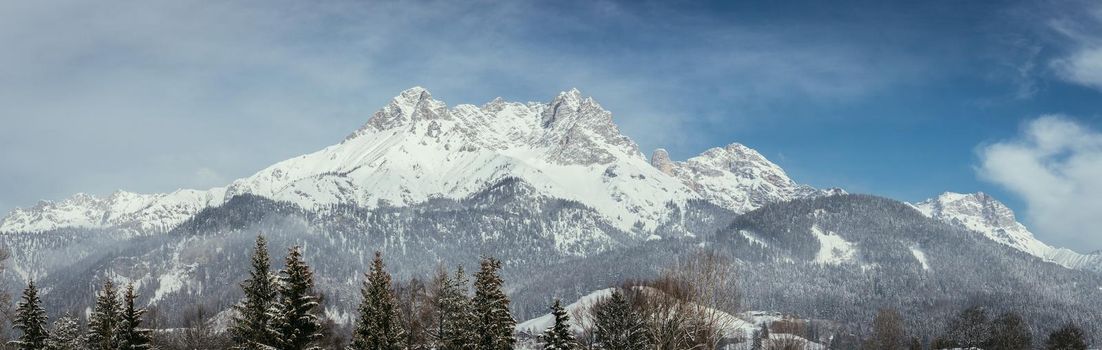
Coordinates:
(742, 326)
(984, 214)
(417, 148)
(139, 213)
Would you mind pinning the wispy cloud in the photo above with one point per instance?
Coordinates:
(1082, 32)
(150, 96)
(1055, 166)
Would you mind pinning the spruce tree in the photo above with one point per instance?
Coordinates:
(1068, 337)
(494, 324)
(618, 327)
(30, 320)
(251, 328)
(66, 334)
(104, 320)
(131, 335)
(378, 327)
(455, 319)
(756, 343)
(559, 336)
(295, 318)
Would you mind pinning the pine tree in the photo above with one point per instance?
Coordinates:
(764, 330)
(131, 335)
(251, 328)
(455, 320)
(295, 321)
(66, 334)
(1068, 337)
(378, 327)
(30, 319)
(559, 336)
(104, 320)
(756, 343)
(1010, 332)
(618, 327)
(491, 309)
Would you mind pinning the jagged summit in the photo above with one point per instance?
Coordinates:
(983, 213)
(416, 148)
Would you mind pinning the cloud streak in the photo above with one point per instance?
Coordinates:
(1055, 166)
(1082, 32)
(151, 96)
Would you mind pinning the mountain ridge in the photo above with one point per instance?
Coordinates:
(416, 148)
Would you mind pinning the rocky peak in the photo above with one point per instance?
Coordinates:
(413, 104)
(661, 160)
(979, 209)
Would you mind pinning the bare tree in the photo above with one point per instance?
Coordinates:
(887, 331)
(784, 341)
(690, 305)
(6, 311)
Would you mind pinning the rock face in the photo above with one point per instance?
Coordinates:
(735, 177)
(982, 213)
(416, 148)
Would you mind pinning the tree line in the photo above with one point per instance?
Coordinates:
(686, 308)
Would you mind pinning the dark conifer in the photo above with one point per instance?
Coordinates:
(494, 324)
(456, 319)
(30, 320)
(618, 327)
(130, 333)
(104, 320)
(559, 336)
(252, 328)
(295, 319)
(66, 334)
(378, 326)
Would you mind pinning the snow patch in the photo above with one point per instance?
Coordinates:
(833, 249)
(921, 257)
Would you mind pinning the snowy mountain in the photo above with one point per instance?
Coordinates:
(551, 189)
(416, 148)
(982, 213)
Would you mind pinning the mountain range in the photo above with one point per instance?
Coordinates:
(548, 187)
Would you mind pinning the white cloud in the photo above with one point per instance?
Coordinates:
(1082, 62)
(1055, 166)
(98, 96)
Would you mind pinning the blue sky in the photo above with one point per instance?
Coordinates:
(903, 99)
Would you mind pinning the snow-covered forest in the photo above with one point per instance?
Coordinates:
(695, 303)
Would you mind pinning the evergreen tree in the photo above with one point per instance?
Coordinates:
(494, 323)
(104, 320)
(455, 320)
(295, 319)
(131, 335)
(1010, 332)
(1068, 337)
(251, 328)
(66, 334)
(764, 330)
(756, 343)
(559, 336)
(378, 327)
(30, 320)
(618, 327)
